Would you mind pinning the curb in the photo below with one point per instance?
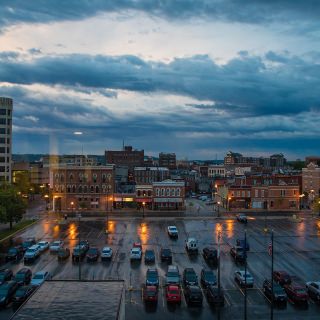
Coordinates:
(15, 233)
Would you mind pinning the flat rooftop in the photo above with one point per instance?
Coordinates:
(80, 300)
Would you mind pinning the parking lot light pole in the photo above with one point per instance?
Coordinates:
(245, 275)
(79, 217)
(143, 204)
(271, 312)
(218, 205)
(219, 287)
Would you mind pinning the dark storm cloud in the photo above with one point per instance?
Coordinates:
(251, 85)
(253, 11)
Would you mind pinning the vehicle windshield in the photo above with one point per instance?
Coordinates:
(151, 293)
(149, 253)
(173, 274)
(152, 274)
(20, 292)
(31, 250)
(3, 292)
(173, 228)
(174, 292)
(300, 291)
(106, 250)
(209, 276)
(166, 252)
(248, 276)
(56, 243)
(19, 276)
(12, 251)
(38, 276)
(27, 244)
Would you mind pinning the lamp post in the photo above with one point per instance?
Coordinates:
(46, 196)
(107, 209)
(245, 275)
(300, 200)
(219, 286)
(79, 217)
(218, 207)
(229, 201)
(143, 204)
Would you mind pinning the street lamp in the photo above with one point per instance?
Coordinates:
(229, 200)
(79, 248)
(218, 207)
(300, 200)
(143, 204)
(219, 286)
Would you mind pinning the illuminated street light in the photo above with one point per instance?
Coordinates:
(143, 204)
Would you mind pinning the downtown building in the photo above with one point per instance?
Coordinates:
(6, 105)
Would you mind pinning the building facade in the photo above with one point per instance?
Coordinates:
(168, 160)
(216, 171)
(311, 180)
(150, 174)
(168, 195)
(82, 188)
(6, 105)
(126, 157)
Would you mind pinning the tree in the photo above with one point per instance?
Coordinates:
(316, 206)
(12, 206)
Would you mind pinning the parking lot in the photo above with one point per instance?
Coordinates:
(296, 248)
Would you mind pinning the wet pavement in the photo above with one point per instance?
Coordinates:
(296, 247)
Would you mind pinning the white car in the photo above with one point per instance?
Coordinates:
(106, 254)
(56, 245)
(44, 245)
(135, 254)
(173, 231)
(239, 276)
(40, 277)
(192, 245)
(313, 288)
(32, 253)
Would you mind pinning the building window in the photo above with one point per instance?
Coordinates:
(68, 188)
(97, 189)
(85, 189)
(94, 177)
(71, 177)
(158, 192)
(243, 194)
(256, 193)
(162, 192)
(80, 177)
(73, 189)
(271, 204)
(172, 192)
(262, 193)
(282, 193)
(149, 193)
(168, 192)
(104, 178)
(91, 189)
(80, 189)
(139, 193)
(62, 178)
(178, 192)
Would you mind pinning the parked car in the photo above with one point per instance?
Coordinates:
(208, 278)
(279, 295)
(28, 243)
(243, 279)
(78, 253)
(210, 255)
(106, 254)
(172, 275)
(32, 254)
(137, 245)
(21, 295)
(93, 254)
(5, 275)
(135, 254)
(150, 294)
(214, 297)
(173, 232)
(40, 277)
(149, 256)
(152, 277)
(243, 243)
(313, 289)
(44, 245)
(238, 254)
(192, 245)
(193, 295)
(63, 254)
(7, 291)
(56, 245)
(296, 293)
(84, 244)
(189, 277)
(23, 276)
(241, 217)
(173, 294)
(166, 255)
(14, 254)
(282, 277)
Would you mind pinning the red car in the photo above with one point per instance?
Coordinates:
(137, 245)
(281, 277)
(173, 294)
(150, 294)
(297, 293)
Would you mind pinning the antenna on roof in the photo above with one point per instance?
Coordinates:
(123, 145)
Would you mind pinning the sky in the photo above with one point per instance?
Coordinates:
(194, 77)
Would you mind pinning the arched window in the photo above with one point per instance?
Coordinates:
(94, 177)
(158, 192)
(85, 177)
(73, 189)
(62, 177)
(80, 177)
(97, 189)
(149, 193)
(80, 189)
(168, 192)
(172, 192)
(144, 193)
(104, 178)
(91, 189)
(162, 191)
(56, 177)
(68, 188)
(139, 193)
(62, 188)
(178, 192)
(71, 177)
(109, 177)
(85, 189)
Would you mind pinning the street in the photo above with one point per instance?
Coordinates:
(296, 250)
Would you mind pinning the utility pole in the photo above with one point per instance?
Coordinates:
(245, 275)
(271, 315)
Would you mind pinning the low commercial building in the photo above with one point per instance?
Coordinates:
(148, 175)
(144, 195)
(168, 195)
(70, 299)
(311, 180)
(216, 171)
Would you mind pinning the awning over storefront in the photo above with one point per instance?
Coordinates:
(162, 200)
(146, 200)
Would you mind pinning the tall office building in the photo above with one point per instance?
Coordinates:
(5, 138)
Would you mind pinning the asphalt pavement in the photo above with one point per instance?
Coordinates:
(296, 250)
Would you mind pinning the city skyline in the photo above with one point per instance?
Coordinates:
(198, 78)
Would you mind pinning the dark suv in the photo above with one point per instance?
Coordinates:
(282, 277)
(238, 254)
(243, 243)
(78, 253)
(166, 255)
(207, 278)
(23, 276)
(5, 275)
(189, 277)
(279, 295)
(193, 295)
(21, 295)
(28, 243)
(297, 293)
(14, 254)
(214, 297)
(7, 291)
(210, 255)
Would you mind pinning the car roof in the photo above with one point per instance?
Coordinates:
(35, 246)
(152, 270)
(172, 267)
(23, 270)
(106, 248)
(194, 288)
(172, 227)
(191, 239)
(41, 273)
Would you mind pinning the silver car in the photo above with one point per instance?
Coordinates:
(106, 253)
(243, 279)
(313, 288)
(173, 276)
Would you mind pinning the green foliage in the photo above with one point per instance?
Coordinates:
(22, 182)
(316, 205)
(12, 206)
